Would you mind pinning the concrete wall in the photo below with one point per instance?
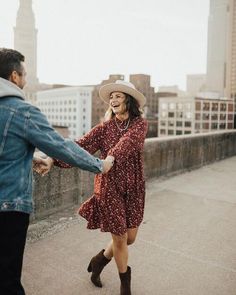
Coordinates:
(62, 188)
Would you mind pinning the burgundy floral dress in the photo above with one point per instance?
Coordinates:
(119, 195)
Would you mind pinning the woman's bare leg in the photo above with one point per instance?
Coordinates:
(131, 236)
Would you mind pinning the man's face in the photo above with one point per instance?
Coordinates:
(19, 77)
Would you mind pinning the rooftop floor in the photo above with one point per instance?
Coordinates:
(185, 246)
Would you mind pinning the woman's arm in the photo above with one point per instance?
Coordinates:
(91, 142)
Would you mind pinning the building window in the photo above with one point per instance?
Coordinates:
(164, 114)
(214, 125)
(205, 126)
(230, 107)
(198, 105)
(206, 106)
(178, 132)
(214, 107)
(170, 132)
(223, 106)
(197, 126)
(171, 123)
(188, 124)
(171, 106)
(214, 117)
(179, 123)
(230, 116)
(188, 106)
(205, 116)
(222, 117)
(197, 116)
(163, 132)
(171, 114)
(188, 115)
(179, 114)
(164, 106)
(179, 106)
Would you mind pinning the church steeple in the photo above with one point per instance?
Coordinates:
(25, 39)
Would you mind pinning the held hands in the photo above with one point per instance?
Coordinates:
(108, 163)
(42, 166)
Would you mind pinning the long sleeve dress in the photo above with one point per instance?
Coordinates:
(118, 200)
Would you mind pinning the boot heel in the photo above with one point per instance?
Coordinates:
(89, 269)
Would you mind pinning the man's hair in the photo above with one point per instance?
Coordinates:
(10, 60)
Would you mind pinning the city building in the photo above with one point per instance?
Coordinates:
(218, 46)
(172, 89)
(189, 115)
(196, 83)
(68, 107)
(221, 57)
(231, 53)
(25, 41)
(142, 83)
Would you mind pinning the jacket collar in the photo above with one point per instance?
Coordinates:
(8, 88)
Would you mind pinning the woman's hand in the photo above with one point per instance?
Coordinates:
(42, 166)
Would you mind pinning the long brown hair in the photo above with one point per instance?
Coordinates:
(132, 107)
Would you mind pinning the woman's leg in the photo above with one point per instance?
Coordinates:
(132, 233)
(99, 261)
(120, 251)
(119, 248)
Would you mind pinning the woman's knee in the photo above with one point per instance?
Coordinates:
(120, 241)
(130, 240)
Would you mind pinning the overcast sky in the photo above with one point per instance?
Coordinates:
(82, 42)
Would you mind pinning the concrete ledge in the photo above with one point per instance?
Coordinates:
(62, 188)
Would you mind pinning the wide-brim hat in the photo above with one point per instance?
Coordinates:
(121, 86)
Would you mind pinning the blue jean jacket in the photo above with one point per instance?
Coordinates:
(22, 128)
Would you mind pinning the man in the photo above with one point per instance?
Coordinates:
(22, 128)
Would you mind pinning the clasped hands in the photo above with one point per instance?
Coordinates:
(43, 165)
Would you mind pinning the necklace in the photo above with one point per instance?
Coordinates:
(122, 129)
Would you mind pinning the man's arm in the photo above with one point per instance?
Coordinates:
(41, 135)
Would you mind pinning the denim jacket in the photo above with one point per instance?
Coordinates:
(22, 128)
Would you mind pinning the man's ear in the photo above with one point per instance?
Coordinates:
(14, 77)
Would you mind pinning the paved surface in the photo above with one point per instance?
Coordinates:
(186, 244)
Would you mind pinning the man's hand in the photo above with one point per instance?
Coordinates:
(42, 166)
(108, 163)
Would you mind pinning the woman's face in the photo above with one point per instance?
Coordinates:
(117, 103)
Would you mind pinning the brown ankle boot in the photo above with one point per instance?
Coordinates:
(96, 266)
(125, 279)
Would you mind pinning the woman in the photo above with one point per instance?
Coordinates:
(117, 204)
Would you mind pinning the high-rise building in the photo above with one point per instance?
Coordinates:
(218, 46)
(196, 83)
(221, 71)
(231, 53)
(25, 41)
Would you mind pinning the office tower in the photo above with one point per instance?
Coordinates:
(231, 53)
(25, 39)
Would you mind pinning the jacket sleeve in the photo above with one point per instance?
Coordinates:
(41, 135)
(131, 141)
(91, 142)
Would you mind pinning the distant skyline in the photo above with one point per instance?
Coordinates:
(82, 42)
